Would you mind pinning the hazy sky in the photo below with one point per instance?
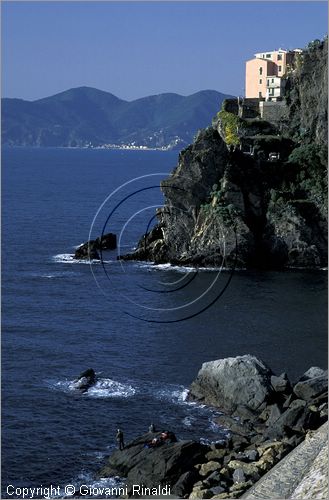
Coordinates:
(143, 48)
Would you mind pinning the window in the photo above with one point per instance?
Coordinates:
(272, 80)
(268, 56)
(280, 68)
(260, 81)
(268, 82)
(260, 71)
(279, 57)
(259, 94)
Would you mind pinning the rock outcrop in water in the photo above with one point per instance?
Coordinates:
(273, 417)
(85, 380)
(90, 249)
(265, 210)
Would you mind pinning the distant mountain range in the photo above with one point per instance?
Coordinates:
(85, 116)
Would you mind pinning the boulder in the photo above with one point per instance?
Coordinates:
(235, 426)
(231, 383)
(274, 415)
(184, 484)
(311, 387)
(289, 400)
(251, 455)
(238, 443)
(312, 372)
(267, 460)
(217, 490)
(293, 418)
(241, 487)
(277, 446)
(249, 469)
(225, 473)
(213, 480)
(281, 384)
(239, 476)
(200, 492)
(152, 466)
(216, 454)
(209, 467)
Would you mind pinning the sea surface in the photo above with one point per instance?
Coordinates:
(141, 327)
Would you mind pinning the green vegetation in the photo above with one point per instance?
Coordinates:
(219, 207)
(314, 44)
(230, 124)
(309, 161)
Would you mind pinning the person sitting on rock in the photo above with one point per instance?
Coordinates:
(156, 441)
(120, 439)
(152, 428)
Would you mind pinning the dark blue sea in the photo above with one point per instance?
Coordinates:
(127, 320)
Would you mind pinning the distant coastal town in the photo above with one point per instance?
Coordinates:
(175, 143)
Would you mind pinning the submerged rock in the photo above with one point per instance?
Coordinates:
(85, 380)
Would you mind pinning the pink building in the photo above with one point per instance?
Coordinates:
(264, 74)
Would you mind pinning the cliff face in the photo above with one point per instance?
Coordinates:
(308, 95)
(224, 206)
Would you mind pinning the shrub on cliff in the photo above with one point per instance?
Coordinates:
(229, 126)
(311, 176)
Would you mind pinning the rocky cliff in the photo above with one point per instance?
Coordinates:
(248, 192)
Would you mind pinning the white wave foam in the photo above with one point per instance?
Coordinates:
(108, 388)
(174, 394)
(188, 421)
(88, 483)
(103, 388)
(58, 275)
(49, 275)
(214, 427)
(184, 394)
(183, 269)
(102, 482)
(68, 258)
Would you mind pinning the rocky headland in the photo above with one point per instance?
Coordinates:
(251, 192)
(266, 417)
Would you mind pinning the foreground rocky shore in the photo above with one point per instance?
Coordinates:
(266, 417)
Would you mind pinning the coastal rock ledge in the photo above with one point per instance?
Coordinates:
(266, 417)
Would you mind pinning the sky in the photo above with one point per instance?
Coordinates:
(135, 49)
